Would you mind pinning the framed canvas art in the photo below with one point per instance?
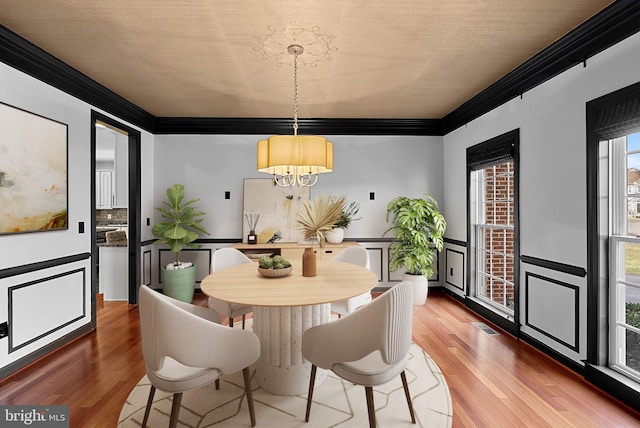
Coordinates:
(33, 172)
(275, 209)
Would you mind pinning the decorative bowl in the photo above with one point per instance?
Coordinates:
(275, 273)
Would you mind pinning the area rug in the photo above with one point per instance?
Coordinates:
(336, 403)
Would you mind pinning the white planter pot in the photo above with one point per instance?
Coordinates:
(420, 287)
(335, 236)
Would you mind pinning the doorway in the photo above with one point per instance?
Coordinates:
(116, 202)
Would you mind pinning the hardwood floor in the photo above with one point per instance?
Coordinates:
(495, 380)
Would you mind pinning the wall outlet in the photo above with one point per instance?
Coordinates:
(4, 330)
(108, 216)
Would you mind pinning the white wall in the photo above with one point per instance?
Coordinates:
(209, 165)
(552, 123)
(64, 290)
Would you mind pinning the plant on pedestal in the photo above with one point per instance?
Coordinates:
(418, 229)
(181, 228)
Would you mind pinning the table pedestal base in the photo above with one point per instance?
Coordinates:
(281, 369)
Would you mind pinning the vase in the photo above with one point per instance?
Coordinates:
(335, 236)
(309, 262)
(420, 287)
(179, 284)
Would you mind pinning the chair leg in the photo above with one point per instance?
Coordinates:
(247, 387)
(230, 321)
(312, 382)
(148, 409)
(370, 407)
(243, 320)
(217, 383)
(175, 409)
(406, 393)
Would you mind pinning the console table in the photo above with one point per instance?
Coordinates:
(293, 251)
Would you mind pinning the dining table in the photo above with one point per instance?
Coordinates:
(283, 308)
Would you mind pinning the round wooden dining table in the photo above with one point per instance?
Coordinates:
(283, 309)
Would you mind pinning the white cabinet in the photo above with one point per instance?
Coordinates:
(112, 158)
(121, 176)
(113, 273)
(104, 190)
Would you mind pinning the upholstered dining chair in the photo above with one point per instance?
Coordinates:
(176, 357)
(223, 258)
(358, 256)
(367, 347)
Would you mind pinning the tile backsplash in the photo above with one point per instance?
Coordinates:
(118, 216)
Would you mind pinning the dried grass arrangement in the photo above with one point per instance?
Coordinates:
(318, 216)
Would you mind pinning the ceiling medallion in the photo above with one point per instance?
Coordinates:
(315, 45)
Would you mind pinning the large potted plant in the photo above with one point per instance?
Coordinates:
(418, 228)
(181, 228)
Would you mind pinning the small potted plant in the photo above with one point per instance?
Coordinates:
(349, 212)
(318, 216)
(273, 267)
(181, 228)
(418, 229)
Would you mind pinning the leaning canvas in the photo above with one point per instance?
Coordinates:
(275, 209)
(33, 172)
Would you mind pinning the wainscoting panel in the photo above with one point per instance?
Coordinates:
(146, 266)
(35, 309)
(44, 305)
(376, 261)
(553, 307)
(454, 268)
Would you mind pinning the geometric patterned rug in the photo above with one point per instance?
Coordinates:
(336, 403)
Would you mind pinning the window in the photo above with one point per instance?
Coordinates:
(613, 234)
(624, 250)
(492, 201)
(494, 236)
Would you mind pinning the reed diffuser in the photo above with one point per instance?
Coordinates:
(252, 222)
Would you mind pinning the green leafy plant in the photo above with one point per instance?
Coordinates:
(418, 229)
(183, 223)
(275, 262)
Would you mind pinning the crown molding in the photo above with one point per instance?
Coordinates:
(23, 55)
(280, 126)
(613, 24)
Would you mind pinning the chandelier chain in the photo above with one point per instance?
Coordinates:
(295, 93)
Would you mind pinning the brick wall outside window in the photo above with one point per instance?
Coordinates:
(499, 210)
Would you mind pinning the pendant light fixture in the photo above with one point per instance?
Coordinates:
(295, 160)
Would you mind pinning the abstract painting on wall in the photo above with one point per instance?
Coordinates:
(275, 209)
(33, 172)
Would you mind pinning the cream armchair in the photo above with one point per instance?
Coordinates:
(184, 348)
(222, 259)
(357, 256)
(368, 347)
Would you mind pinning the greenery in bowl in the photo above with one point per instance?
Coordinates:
(182, 225)
(275, 262)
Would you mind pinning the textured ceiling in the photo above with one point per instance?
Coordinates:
(387, 59)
